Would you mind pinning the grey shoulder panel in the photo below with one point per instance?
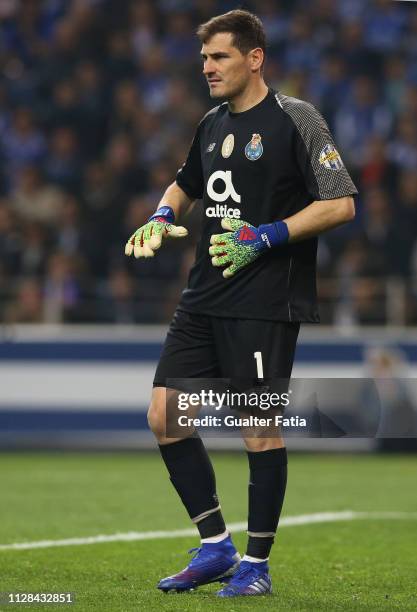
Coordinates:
(212, 111)
(304, 115)
(332, 178)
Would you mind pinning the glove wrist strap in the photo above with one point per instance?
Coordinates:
(274, 234)
(164, 213)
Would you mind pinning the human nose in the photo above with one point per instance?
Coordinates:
(208, 67)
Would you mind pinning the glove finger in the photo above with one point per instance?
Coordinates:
(147, 250)
(232, 224)
(217, 249)
(219, 238)
(130, 245)
(139, 242)
(221, 260)
(176, 231)
(230, 271)
(154, 242)
(164, 231)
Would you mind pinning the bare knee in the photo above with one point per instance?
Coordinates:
(256, 445)
(156, 421)
(157, 416)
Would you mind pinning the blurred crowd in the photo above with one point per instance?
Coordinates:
(99, 100)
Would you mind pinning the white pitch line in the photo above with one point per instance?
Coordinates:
(288, 521)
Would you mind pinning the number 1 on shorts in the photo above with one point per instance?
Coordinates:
(259, 365)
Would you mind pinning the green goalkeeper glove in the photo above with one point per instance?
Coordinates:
(148, 237)
(244, 243)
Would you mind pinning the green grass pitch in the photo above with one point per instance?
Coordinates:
(361, 565)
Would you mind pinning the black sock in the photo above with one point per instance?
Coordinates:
(192, 475)
(267, 483)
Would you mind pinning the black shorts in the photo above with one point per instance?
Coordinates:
(201, 346)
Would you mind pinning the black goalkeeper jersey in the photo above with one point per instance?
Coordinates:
(261, 165)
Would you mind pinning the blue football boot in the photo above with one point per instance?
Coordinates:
(250, 579)
(211, 563)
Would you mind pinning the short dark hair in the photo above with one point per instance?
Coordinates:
(246, 28)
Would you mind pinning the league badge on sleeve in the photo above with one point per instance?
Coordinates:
(254, 148)
(330, 158)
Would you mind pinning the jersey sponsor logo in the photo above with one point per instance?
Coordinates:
(228, 145)
(221, 210)
(210, 148)
(330, 158)
(228, 191)
(254, 148)
(246, 233)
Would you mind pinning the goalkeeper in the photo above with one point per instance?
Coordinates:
(270, 180)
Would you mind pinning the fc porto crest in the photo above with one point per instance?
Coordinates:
(254, 148)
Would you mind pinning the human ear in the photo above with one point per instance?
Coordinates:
(256, 58)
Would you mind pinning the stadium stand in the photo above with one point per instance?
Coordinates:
(98, 103)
